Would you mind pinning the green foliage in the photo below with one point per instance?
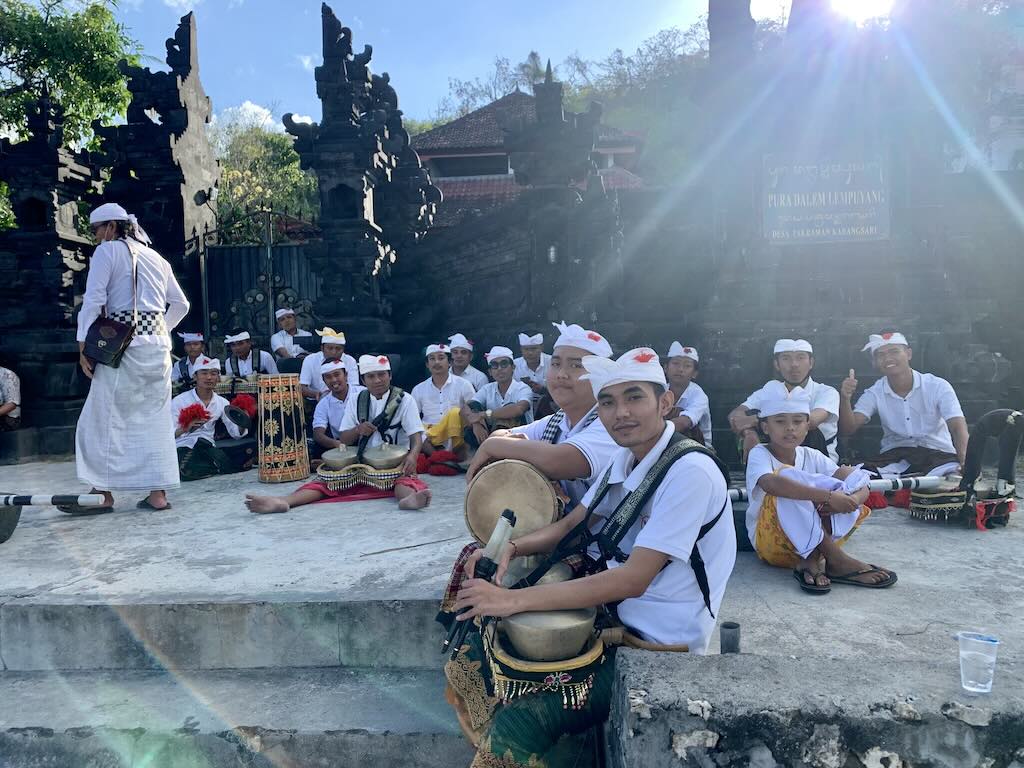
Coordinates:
(414, 126)
(6, 214)
(69, 51)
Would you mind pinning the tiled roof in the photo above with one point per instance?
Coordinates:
(473, 196)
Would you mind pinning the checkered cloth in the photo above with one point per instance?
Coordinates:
(150, 323)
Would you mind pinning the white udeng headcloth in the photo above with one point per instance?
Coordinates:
(776, 398)
(640, 364)
(876, 340)
(577, 336)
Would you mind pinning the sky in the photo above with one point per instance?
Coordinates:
(259, 54)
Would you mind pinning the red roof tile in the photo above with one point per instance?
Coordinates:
(472, 196)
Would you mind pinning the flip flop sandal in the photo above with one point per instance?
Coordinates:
(811, 589)
(144, 504)
(77, 510)
(851, 578)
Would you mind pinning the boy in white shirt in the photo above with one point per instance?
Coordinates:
(531, 367)
(198, 454)
(246, 361)
(440, 399)
(283, 343)
(330, 410)
(692, 413)
(502, 404)
(183, 370)
(462, 361)
(332, 346)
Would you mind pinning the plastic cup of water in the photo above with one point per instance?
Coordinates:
(977, 661)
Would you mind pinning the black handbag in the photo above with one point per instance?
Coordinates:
(107, 339)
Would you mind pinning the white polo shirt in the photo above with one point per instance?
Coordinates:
(287, 340)
(822, 396)
(491, 399)
(694, 404)
(216, 411)
(917, 420)
(310, 373)
(474, 376)
(407, 419)
(520, 371)
(266, 365)
(434, 403)
(592, 440)
(330, 411)
(671, 610)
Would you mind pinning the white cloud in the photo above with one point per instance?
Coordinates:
(182, 6)
(249, 114)
(307, 62)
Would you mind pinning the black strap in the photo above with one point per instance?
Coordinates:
(184, 375)
(383, 423)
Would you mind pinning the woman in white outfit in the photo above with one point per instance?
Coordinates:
(125, 437)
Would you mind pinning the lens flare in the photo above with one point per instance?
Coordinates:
(861, 11)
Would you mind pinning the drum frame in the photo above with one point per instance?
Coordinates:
(280, 400)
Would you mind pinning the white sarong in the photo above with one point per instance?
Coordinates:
(125, 437)
(800, 520)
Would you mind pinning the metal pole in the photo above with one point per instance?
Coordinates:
(268, 234)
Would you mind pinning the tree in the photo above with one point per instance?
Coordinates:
(69, 51)
(6, 213)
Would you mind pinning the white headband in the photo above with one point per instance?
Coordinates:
(678, 350)
(243, 336)
(577, 336)
(497, 353)
(876, 340)
(776, 399)
(793, 345)
(530, 341)
(330, 336)
(458, 341)
(207, 364)
(332, 364)
(431, 349)
(640, 364)
(187, 337)
(374, 363)
(283, 312)
(114, 212)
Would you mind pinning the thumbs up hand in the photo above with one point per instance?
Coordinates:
(849, 386)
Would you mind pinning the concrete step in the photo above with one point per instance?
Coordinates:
(336, 717)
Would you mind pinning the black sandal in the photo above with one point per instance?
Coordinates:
(77, 510)
(812, 589)
(144, 504)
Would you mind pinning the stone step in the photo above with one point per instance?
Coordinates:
(337, 717)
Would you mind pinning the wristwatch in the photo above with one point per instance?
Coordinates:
(488, 413)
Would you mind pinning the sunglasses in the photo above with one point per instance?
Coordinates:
(500, 364)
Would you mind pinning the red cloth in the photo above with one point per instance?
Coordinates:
(362, 492)
(876, 500)
(438, 467)
(900, 498)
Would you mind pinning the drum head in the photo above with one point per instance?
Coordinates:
(509, 484)
(339, 458)
(384, 456)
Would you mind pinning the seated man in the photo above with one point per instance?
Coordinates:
(794, 360)
(803, 507)
(10, 400)
(462, 361)
(196, 413)
(283, 343)
(380, 414)
(532, 367)
(332, 347)
(670, 549)
(330, 410)
(501, 404)
(692, 413)
(244, 360)
(441, 394)
(923, 425)
(183, 370)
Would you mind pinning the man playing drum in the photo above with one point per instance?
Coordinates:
(665, 578)
(330, 410)
(400, 426)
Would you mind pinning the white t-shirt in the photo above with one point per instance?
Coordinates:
(761, 462)
(522, 371)
(267, 364)
(407, 419)
(330, 411)
(694, 404)
(693, 492)
(287, 340)
(822, 396)
(216, 411)
(919, 419)
(310, 373)
(474, 376)
(491, 399)
(434, 403)
(593, 441)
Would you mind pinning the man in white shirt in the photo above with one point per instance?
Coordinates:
(330, 410)
(198, 455)
(332, 346)
(676, 550)
(183, 370)
(244, 360)
(794, 360)
(399, 424)
(923, 425)
(440, 399)
(283, 342)
(692, 413)
(462, 361)
(531, 367)
(502, 404)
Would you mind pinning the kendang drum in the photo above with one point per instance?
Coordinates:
(516, 485)
(383, 467)
(283, 455)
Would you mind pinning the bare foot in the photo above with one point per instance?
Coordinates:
(265, 504)
(417, 500)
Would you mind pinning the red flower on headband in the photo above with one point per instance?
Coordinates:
(886, 336)
(382, 360)
(594, 336)
(688, 350)
(644, 357)
(205, 361)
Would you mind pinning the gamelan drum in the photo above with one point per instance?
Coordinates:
(510, 484)
(283, 455)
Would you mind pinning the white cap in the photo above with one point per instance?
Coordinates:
(577, 336)
(497, 353)
(530, 341)
(188, 337)
(458, 341)
(108, 212)
(332, 364)
(776, 398)
(678, 350)
(793, 345)
(243, 336)
(876, 340)
(640, 364)
(432, 348)
(207, 364)
(330, 336)
(284, 311)
(373, 363)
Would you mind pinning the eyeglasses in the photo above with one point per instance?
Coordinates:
(500, 364)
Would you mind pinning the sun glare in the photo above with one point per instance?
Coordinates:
(861, 11)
